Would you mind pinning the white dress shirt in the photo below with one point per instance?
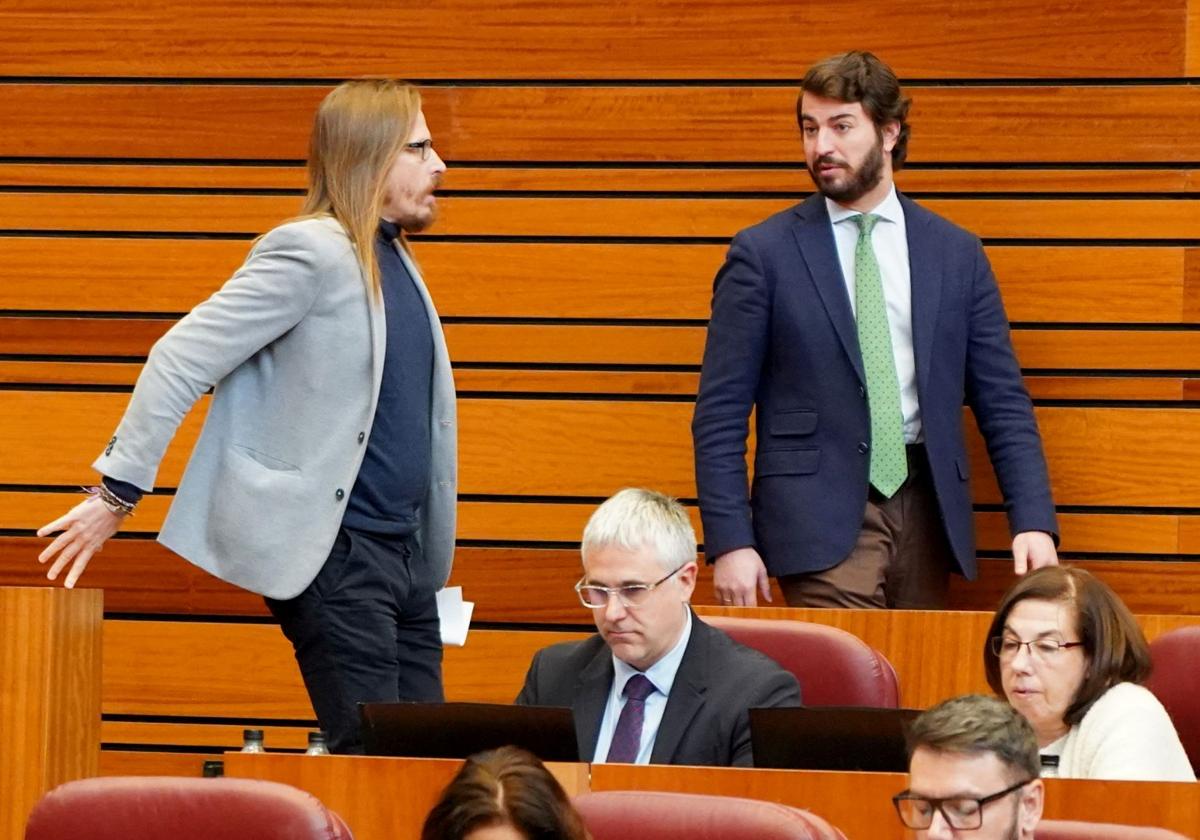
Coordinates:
(890, 241)
(662, 675)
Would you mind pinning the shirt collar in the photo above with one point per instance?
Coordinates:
(661, 673)
(889, 209)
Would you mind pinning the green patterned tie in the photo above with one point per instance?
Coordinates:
(889, 465)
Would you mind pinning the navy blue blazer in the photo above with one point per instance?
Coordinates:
(782, 340)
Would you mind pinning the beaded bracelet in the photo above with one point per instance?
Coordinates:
(110, 500)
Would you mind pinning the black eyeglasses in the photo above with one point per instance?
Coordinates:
(1007, 647)
(631, 595)
(964, 813)
(421, 146)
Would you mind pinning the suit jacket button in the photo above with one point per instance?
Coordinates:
(362, 436)
(862, 392)
(340, 494)
(862, 447)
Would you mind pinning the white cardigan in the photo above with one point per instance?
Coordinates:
(1126, 734)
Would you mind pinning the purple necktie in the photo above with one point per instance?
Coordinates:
(628, 735)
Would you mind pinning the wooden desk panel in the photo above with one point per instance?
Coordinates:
(860, 803)
(379, 798)
(387, 798)
(49, 694)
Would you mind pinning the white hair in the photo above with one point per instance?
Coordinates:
(634, 519)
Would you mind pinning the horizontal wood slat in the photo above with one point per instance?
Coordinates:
(583, 178)
(247, 670)
(1086, 284)
(1000, 124)
(1097, 456)
(586, 39)
(536, 521)
(131, 763)
(208, 735)
(594, 216)
(521, 585)
(572, 344)
(477, 381)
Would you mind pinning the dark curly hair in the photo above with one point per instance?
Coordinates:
(861, 77)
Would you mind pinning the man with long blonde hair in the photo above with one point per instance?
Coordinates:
(325, 477)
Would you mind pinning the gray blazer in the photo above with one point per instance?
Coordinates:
(294, 346)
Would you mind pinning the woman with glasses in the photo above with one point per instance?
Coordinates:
(1070, 657)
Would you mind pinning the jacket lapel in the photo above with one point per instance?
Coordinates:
(591, 696)
(814, 236)
(687, 695)
(925, 279)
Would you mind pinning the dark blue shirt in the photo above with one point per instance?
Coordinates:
(394, 477)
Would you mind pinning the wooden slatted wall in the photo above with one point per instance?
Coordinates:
(601, 155)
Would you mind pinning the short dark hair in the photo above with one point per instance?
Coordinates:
(974, 724)
(1114, 644)
(859, 76)
(507, 786)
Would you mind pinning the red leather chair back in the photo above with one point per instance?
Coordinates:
(835, 668)
(1070, 830)
(647, 815)
(168, 808)
(1175, 681)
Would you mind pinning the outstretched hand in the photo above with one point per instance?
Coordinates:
(85, 528)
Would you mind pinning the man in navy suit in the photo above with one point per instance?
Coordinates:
(855, 325)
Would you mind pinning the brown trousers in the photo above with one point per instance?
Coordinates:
(902, 559)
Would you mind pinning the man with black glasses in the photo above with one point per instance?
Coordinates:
(973, 773)
(656, 684)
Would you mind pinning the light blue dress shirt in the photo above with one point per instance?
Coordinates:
(662, 675)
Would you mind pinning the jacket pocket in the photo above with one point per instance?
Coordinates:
(265, 460)
(793, 422)
(786, 462)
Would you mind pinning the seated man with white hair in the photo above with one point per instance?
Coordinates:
(656, 684)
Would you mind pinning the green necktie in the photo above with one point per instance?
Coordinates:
(889, 465)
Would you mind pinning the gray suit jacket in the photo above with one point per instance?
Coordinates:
(706, 721)
(294, 345)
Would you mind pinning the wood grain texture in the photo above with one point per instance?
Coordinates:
(1097, 456)
(350, 785)
(593, 216)
(1098, 124)
(1158, 586)
(519, 345)
(476, 381)
(859, 804)
(790, 180)
(533, 584)
(152, 763)
(201, 668)
(50, 643)
(1041, 283)
(588, 39)
(206, 735)
(541, 522)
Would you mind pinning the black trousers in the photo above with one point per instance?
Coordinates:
(365, 630)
